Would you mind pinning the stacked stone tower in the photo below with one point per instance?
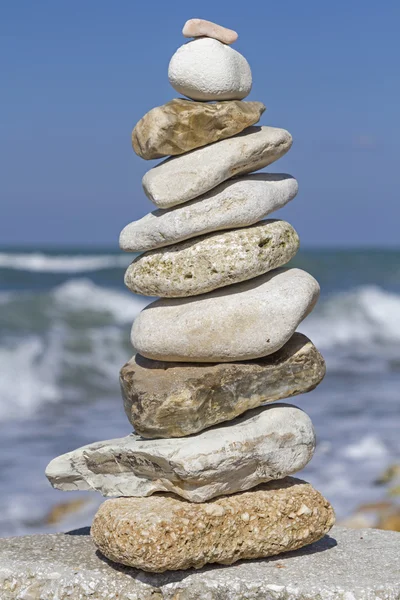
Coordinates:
(206, 476)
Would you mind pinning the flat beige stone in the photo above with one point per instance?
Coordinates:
(164, 399)
(243, 321)
(201, 27)
(165, 533)
(264, 444)
(183, 178)
(235, 203)
(213, 261)
(183, 125)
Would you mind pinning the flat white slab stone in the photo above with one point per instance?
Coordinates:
(206, 69)
(263, 445)
(347, 564)
(235, 203)
(183, 178)
(240, 322)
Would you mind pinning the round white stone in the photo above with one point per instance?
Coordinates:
(206, 69)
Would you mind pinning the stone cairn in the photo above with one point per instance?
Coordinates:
(205, 479)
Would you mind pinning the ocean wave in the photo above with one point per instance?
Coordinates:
(47, 263)
(64, 344)
(83, 295)
(367, 317)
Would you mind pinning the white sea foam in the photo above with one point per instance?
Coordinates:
(84, 343)
(84, 295)
(370, 447)
(366, 317)
(28, 376)
(47, 263)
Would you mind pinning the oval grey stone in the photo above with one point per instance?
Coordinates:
(212, 261)
(266, 443)
(182, 178)
(243, 321)
(235, 203)
(166, 399)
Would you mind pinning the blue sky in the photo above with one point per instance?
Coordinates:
(77, 76)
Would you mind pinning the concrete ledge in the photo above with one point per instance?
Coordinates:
(346, 565)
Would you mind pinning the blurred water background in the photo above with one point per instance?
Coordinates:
(65, 318)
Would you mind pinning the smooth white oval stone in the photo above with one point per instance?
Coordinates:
(234, 203)
(240, 322)
(206, 69)
(182, 178)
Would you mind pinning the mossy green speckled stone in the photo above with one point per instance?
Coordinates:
(212, 261)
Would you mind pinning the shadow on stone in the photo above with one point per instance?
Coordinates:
(81, 531)
(157, 579)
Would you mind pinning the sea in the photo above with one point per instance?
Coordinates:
(65, 319)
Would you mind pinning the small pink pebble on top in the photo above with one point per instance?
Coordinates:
(202, 28)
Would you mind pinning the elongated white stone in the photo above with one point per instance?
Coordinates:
(182, 178)
(234, 203)
(243, 321)
(266, 443)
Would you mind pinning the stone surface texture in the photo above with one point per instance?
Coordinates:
(264, 444)
(206, 69)
(235, 203)
(164, 399)
(347, 564)
(183, 125)
(213, 261)
(244, 321)
(200, 28)
(166, 533)
(183, 178)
